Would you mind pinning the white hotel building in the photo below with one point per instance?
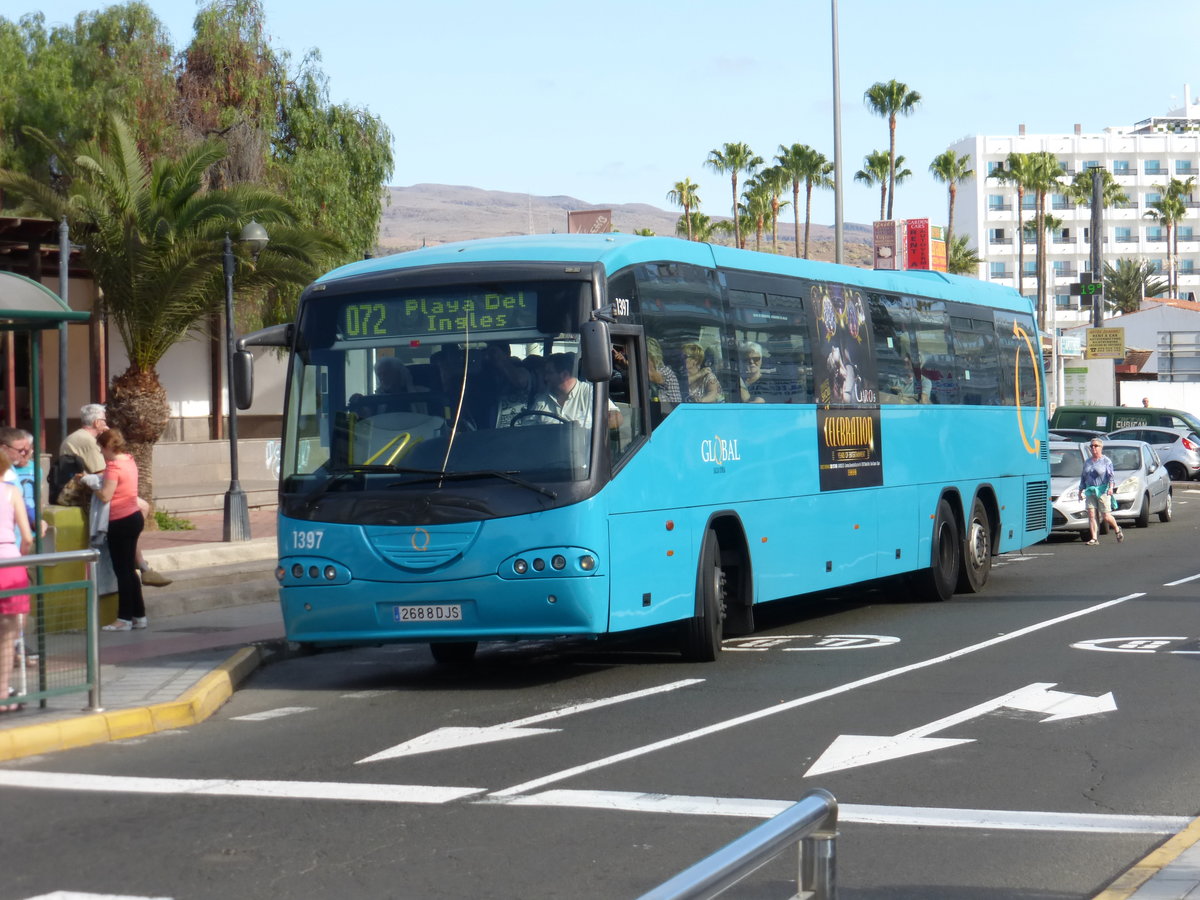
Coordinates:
(1142, 157)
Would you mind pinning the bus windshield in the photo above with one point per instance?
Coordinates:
(448, 404)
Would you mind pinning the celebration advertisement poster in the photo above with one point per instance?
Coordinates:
(848, 432)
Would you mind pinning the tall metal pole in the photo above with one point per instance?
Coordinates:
(838, 230)
(64, 275)
(1097, 239)
(235, 525)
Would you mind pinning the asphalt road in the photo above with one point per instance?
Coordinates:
(1034, 740)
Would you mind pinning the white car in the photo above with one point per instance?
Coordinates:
(1143, 485)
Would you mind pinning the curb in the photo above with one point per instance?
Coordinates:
(195, 705)
(203, 556)
(1133, 878)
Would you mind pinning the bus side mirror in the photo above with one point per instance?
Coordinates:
(595, 351)
(242, 363)
(243, 378)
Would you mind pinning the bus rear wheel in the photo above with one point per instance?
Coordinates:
(700, 636)
(976, 561)
(454, 653)
(937, 583)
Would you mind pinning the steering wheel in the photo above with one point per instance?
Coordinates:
(539, 412)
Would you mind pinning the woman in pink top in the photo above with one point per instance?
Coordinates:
(15, 540)
(125, 523)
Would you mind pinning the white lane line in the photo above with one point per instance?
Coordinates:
(716, 727)
(272, 714)
(1181, 581)
(295, 790)
(991, 819)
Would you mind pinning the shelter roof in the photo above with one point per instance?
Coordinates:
(26, 305)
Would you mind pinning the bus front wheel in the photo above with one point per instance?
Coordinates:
(977, 551)
(701, 634)
(939, 580)
(454, 653)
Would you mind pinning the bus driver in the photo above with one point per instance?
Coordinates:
(567, 396)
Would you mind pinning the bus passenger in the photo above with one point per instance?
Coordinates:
(510, 382)
(702, 384)
(916, 388)
(393, 376)
(752, 386)
(568, 397)
(664, 384)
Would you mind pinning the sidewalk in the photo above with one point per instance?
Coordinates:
(208, 630)
(220, 620)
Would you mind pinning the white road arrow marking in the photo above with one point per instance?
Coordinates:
(465, 736)
(850, 750)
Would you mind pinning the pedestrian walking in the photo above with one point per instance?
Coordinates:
(1097, 484)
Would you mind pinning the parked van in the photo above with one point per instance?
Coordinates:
(1110, 418)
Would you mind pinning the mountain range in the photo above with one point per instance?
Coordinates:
(423, 214)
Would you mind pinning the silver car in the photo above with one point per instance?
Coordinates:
(1178, 450)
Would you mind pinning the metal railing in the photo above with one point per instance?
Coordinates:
(66, 636)
(811, 822)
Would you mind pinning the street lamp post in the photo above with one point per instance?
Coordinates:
(236, 521)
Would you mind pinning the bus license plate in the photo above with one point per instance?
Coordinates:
(428, 612)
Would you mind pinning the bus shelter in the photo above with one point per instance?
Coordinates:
(30, 308)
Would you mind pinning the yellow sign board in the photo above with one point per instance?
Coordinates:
(1105, 343)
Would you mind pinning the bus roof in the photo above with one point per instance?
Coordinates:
(616, 251)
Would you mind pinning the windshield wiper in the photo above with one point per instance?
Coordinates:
(510, 476)
(343, 473)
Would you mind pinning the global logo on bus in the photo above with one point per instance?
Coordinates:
(718, 451)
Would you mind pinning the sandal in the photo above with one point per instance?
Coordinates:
(1120, 535)
(118, 625)
(1093, 542)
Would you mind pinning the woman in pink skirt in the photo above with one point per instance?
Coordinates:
(15, 540)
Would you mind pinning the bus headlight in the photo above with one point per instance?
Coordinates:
(587, 562)
(558, 561)
(520, 567)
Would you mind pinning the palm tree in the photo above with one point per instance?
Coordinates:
(699, 226)
(962, 259)
(155, 248)
(776, 180)
(1170, 209)
(889, 100)
(1046, 176)
(1111, 193)
(685, 194)
(877, 167)
(1016, 170)
(734, 158)
(1130, 281)
(757, 206)
(803, 163)
(1040, 174)
(951, 169)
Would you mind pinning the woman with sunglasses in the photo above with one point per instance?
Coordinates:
(1097, 484)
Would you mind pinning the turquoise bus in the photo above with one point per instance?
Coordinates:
(764, 427)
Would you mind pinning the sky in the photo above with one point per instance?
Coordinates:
(615, 102)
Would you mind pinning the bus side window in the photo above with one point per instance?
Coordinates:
(624, 391)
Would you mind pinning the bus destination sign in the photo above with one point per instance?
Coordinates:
(437, 314)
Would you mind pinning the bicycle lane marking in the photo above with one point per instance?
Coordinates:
(717, 727)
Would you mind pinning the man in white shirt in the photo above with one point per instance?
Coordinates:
(567, 396)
